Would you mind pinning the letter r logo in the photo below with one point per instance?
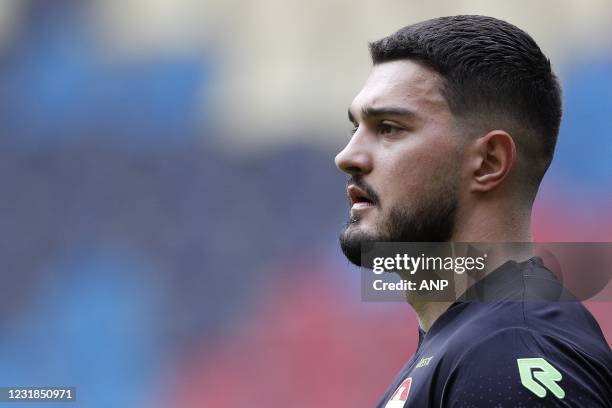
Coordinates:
(537, 373)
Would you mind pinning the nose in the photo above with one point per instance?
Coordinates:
(355, 159)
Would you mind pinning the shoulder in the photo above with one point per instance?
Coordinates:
(519, 365)
(565, 325)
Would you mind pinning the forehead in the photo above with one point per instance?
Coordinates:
(402, 83)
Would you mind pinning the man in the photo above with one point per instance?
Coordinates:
(452, 134)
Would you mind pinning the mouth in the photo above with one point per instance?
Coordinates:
(359, 199)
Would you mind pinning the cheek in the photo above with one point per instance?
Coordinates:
(413, 173)
(410, 169)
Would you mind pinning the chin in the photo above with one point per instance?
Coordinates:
(352, 238)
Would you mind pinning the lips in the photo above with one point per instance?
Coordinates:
(358, 198)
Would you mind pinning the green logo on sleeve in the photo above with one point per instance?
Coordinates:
(537, 375)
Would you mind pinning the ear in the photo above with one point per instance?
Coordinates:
(493, 155)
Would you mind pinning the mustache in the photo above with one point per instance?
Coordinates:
(359, 182)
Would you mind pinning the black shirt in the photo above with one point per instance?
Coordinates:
(516, 339)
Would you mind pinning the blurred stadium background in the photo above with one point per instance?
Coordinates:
(170, 206)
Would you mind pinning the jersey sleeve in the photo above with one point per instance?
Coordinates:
(517, 368)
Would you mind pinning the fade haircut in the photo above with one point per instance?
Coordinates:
(494, 76)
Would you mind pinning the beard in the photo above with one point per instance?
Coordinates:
(432, 220)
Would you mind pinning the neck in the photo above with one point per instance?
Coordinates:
(509, 238)
(428, 312)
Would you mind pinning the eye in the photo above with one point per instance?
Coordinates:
(388, 129)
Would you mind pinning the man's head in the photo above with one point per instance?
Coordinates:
(457, 112)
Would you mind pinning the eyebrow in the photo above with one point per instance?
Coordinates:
(372, 112)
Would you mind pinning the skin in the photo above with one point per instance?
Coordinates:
(385, 150)
(407, 142)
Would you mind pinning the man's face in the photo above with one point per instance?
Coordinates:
(403, 160)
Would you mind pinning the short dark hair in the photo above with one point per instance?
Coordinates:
(494, 74)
